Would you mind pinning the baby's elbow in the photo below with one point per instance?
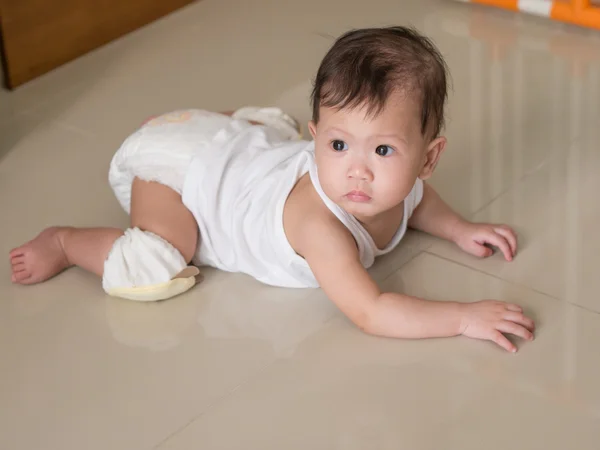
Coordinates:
(365, 320)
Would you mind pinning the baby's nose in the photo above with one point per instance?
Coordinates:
(360, 172)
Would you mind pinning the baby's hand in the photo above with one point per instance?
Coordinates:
(475, 238)
(488, 319)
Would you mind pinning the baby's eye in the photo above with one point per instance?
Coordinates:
(339, 146)
(384, 150)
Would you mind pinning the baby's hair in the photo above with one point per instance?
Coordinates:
(365, 66)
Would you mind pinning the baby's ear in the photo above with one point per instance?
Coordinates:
(432, 157)
(312, 127)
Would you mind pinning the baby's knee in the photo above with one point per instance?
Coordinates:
(144, 266)
(183, 235)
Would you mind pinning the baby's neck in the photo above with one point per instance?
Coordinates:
(383, 227)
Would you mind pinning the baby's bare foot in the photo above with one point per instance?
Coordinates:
(41, 258)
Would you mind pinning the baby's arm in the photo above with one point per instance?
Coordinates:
(332, 255)
(435, 217)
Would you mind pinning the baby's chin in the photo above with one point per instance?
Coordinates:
(363, 211)
(371, 211)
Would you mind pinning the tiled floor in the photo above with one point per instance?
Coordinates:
(233, 364)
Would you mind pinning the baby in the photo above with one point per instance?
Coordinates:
(243, 192)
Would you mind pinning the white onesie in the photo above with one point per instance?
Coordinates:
(235, 178)
(236, 190)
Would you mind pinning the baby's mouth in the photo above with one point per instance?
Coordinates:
(358, 196)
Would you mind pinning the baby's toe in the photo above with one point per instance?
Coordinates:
(15, 252)
(21, 277)
(16, 260)
(19, 267)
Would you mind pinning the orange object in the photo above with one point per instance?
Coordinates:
(577, 12)
(506, 4)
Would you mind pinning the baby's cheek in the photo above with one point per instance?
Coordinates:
(330, 183)
(397, 188)
(330, 187)
(328, 172)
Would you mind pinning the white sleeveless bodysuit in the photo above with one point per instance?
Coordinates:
(236, 188)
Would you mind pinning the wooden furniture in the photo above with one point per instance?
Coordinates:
(40, 35)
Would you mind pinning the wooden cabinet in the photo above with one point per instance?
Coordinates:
(40, 35)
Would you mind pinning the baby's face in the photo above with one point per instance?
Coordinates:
(368, 165)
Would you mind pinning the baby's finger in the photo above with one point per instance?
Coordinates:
(520, 319)
(515, 329)
(510, 236)
(503, 342)
(499, 241)
(513, 307)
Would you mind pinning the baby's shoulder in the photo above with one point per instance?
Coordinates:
(307, 220)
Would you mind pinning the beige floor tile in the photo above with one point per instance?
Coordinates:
(15, 103)
(46, 92)
(523, 92)
(86, 371)
(541, 175)
(555, 211)
(48, 175)
(225, 59)
(14, 129)
(129, 374)
(343, 389)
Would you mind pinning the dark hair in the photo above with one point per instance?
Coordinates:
(365, 66)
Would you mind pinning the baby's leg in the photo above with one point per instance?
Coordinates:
(58, 248)
(158, 209)
(155, 208)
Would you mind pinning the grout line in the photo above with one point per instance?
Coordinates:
(267, 366)
(512, 283)
(65, 126)
(243, 383)
(524, 177)
(445, 258)
(217, 401)
(408, 261)
(72, 128)
(585, 308)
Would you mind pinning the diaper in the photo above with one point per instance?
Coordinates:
(271, 117)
